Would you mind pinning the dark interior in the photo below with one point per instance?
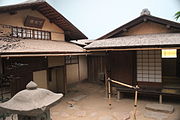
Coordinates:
(171, 72)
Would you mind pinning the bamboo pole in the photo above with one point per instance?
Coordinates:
(123, 84)
(126, 85)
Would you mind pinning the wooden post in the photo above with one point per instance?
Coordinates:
(109, 93)
(106, 83)
(118, 95)
(160, 99)
(135, 103)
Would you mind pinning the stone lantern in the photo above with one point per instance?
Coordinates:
(32, 103)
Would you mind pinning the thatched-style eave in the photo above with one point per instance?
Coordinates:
(167, 40)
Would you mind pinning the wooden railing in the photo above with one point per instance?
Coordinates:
(126, 85)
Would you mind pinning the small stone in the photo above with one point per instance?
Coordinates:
(71, 103)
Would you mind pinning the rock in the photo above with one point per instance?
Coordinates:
(156, 115)
(71, 103)
(74, 107)
(160, 107)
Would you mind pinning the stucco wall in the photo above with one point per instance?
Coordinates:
(147, 28)
(52, 84)
(72, 73)
(19, 18)
(83, 67)
(55, 61)
(40, 77)
(77, 72)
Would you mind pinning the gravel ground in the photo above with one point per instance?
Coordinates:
(86, 101)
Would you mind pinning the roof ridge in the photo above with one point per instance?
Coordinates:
(138, 20)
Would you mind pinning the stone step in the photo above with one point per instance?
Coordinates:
(160, 108)
(156, 115)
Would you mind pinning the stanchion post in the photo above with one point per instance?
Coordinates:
(135, 102)
(109, 92)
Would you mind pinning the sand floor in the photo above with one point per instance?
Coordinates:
(86, 101)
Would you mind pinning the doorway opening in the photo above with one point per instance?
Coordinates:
(171, 68)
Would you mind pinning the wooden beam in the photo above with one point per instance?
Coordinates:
(36, 55)
(127, 49)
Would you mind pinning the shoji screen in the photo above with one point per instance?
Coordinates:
(149, 66)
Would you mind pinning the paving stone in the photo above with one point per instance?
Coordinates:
(121, 116)
(78, 98)
(156, 115)
(160, 107)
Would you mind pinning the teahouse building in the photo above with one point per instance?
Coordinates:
(34, 46)
(144, 51)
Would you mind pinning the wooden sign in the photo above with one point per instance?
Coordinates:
(36, 22)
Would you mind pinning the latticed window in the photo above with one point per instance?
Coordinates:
(149, 66)
(30, 33)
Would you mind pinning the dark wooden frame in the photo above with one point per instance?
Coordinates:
(37, 22)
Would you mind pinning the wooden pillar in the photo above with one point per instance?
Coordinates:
(106, 73)
(118, 94)
(160, 99)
